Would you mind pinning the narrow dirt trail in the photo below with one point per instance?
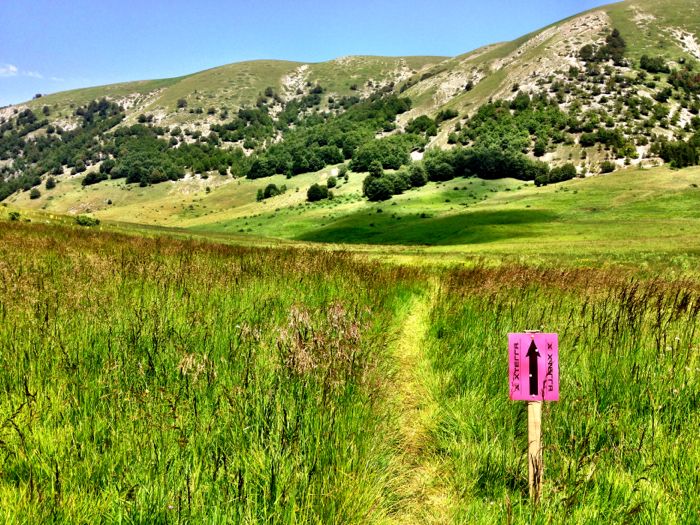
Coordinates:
(425, 497)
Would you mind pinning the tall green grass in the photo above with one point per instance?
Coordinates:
(158, 380)
(164, 381)
(621, 446)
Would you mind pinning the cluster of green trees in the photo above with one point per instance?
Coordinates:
(558, 174)
(613, 49)
(483, 162)
(250, 125)
(54, 150)
(534, 124)
(612, 138)
(318, 192)
(686, 79)
(137, 154)
(525, 124)
(654, 64)
(271, 190)
(680, 153)
(444, 165)
(319, 140)
(422, 125)
(380, 186)
(391, 152)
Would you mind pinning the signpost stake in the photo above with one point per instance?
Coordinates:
(534, 449)
(533, 371)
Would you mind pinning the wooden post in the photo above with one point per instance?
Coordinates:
(533, 377)
(534, 449)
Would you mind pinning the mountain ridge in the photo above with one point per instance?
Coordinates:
(154, 94)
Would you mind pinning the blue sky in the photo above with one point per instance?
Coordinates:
(54, 45)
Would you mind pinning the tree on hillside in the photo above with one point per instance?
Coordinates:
(559, 174)
(587, 53)
(446, 114)
(654, 64)
(378, 188)
(417, 175)
(613, 49)
(316, 192)
(271, 190)
(607, 167)
(423, 124)
(521, 101)
(681, 154)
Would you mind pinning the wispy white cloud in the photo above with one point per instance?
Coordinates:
(57, 79)
(8, 70)
(11, 70)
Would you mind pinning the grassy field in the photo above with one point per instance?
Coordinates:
(158, 380)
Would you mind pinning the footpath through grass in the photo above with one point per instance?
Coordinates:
(425, 497)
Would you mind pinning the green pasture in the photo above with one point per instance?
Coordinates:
(149, 378)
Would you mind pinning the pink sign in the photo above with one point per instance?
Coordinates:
(533, 367)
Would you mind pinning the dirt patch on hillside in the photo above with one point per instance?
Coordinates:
(8, 112)
(453, 83)
(687, 41)
(136, 101)
(641, 17)
(295, 81)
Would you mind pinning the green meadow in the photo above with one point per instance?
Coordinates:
(149, 377)
(643, 218)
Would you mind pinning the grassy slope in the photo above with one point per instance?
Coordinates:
(230, 86)
(63, 104)
(338, 75)
(233, 85)
(629, 215)
(651, 36)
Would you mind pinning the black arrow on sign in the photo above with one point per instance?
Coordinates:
(533, 354)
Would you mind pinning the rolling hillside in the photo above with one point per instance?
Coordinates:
(612, 88)
(669, 27)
